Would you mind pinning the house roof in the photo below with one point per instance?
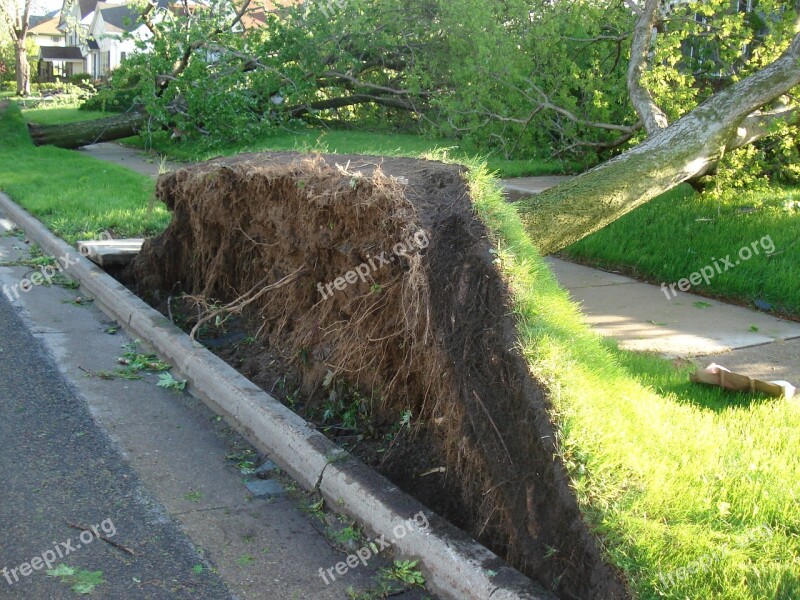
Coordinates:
(254, 18)
(85, 8)
(69, 54)
(119, 17)
(256, 14)
(45, 26)
(34, 20)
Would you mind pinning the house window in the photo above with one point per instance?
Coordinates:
(105, 62)
(56, 38)
(123, 56)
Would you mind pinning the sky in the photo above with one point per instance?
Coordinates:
(45, 6)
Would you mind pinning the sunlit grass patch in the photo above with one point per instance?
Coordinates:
(307, 139)
(681, 231)
(76, 196)
(693, 490)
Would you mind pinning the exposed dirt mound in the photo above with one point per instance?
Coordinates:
(376, 270)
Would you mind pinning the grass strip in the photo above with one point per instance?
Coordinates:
(76, 196)
(694, 491)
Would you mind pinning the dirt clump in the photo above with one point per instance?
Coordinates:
(375, 271)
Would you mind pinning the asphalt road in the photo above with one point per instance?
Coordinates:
(57, 467)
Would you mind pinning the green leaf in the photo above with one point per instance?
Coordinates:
(61, 570)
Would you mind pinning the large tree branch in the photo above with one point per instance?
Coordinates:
(634, 6)
(759, 124)
(542, 102)
(25, 21)
(352, 100)
(651, 115)
(336, 76)
(602, 146)
(690, 146)
(148, 22)
(183, 62)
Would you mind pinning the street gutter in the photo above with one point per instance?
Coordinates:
(455, 565)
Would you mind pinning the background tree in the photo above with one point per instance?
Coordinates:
(589, 79)
(556, 77)
(533, 77)
(15, 17)
(754, 98)
(203, 74)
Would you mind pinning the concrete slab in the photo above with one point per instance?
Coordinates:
(641, 317)
(265, 488)
(265, 469)
(111, 253)
(573, 276)
(130, 158)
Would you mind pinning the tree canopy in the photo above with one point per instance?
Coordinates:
(520, 77)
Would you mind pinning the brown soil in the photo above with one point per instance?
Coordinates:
(429, 330)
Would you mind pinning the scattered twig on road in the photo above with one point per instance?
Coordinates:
(101, 537)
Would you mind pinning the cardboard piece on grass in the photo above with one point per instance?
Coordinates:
(715, 374)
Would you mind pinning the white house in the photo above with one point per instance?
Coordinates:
(115, 29)
(95, 37)
(44, 30)
(54, 59)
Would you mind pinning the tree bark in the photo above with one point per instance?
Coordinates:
(651, 115)
(23, 68)
(686, 149)
(75, 135)
(83, 133)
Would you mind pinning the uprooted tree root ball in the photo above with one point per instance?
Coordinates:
(376, 270)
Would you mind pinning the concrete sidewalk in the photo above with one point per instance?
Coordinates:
(130, 158)
(641, 317)
(520, 187)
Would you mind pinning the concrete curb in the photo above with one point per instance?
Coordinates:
(456, 566)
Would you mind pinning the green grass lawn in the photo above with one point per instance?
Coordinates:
(693, 491)
(76, 196)
(61, 114)
(681, 231)
(350, 142)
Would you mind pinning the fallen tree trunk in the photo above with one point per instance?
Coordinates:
(84, 133)
(685, 150)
